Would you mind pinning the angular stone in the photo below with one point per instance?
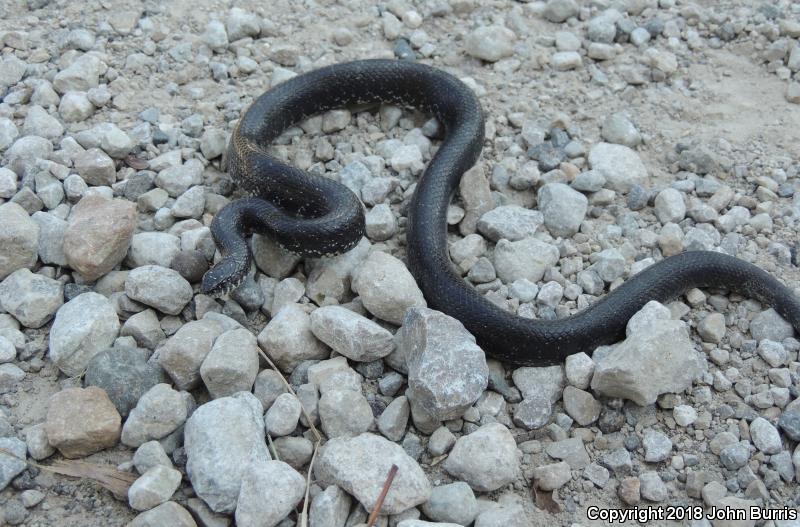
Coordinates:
(288, 339)
(82, 421)
(83, 327)
(32, 299)
(158, 287)
(153, 488)
(350, 334)
(270, 491)
(183, 353)
(19, 239)
(159, 412)
(487, 459)
(169, 513)
(386, 287)
(620, 165)
(359, 465)
(232, 364)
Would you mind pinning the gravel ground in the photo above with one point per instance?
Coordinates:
(617, 133)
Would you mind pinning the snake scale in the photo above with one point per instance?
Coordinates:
(313, 216)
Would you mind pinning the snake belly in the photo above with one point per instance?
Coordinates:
(314, 216)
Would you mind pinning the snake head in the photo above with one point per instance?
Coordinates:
(223, 278)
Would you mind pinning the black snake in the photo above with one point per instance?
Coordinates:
(313, 216)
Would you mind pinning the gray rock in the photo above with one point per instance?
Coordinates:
(712, 328)
(392, 422)
(75, 107)
(124, 374)
(581, 406)
(596, 474)
(240, 23)
(282, 417)
(8, 133)
(183, 353)
(190, 204)
(83, 73)
(735, 455)
(8, 352)
(564, 61)
(330, 508)
(159, 287)
(670, 206)
(344, 413)
(610, 265)
(563, 208)
(570, 451)
(350, 334)
(24, 153)
(158, 413)
(11, 466)
(386, 287)
(527, 258)
(178, 179)
(618, 129)
(222, 439)
(620, 165)
(579, 369)
(149, 455)
(560, 10)
(153, 248)
(39, 122)
(454, 503)
(268, 386)
(32, 299)
(359, 465)
(83, 327)
(169, 513)
(288, 339)
(545, 382)
(773, 353)
(652, 488)
(490, 43)
(553, 476)
(657, 446)
(296, 451)
(789, 421)
(589, 181)
(656, 357)
(770, 325)
(381, 223)
(10, 376)
(511, 222)
(232, 364)
(51, 238)
(36, 440)
(765, 436)
(283, 486)
(19, 238)
(153, 488)
(487, 459)
(447, 371)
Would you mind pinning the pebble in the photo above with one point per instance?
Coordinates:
(153, 488)
(232, 364)
(772, 352)
(563, 208)
(169, 513)
(392, 422)
(453, 503)
(669, 206)
(98, 235)
(447, 371)
(581, 406)
(82, 421)
(566, 60)
(381, 223)
(620, 165)
(789, 421)
(8, 133)
(657, 446)
(618, 129)
(36, 440)
(19, 238)
(158, 413)
(684, 415)
(124, 374)
(177, 179)
(83, 327)
(158, 287)
(386, 287)
(560, 10)
(10, 377)
(31, 498)
(490, 43)
(38, 122)
(629, 490)
(469, 462)
(223, 438)
(579, 369)
(153, 248)
(527, 259)
(287, 339)
(571, 451)
(283, 415)
(359, 465)
(770, 325)
(75, 107)
(712, 328)
(735, 455)
(8, 351)
(31, 298)
(276, 479)
(350, 334)
(149, 455)
(656, 357)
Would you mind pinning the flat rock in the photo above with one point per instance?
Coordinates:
(359, 465)
(82, 421)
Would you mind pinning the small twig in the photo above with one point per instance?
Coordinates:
(272, 447)
(378, 504)
(317, 435)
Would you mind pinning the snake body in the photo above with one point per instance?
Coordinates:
(313, 216)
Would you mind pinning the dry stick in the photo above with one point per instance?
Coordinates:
(378, 504)
(304, 513)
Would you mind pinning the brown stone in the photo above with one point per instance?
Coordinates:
(98, 235)
(82, 421)
(630, 490)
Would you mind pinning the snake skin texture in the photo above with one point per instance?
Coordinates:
(313, 216)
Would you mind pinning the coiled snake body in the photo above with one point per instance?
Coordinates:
(313, 216)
